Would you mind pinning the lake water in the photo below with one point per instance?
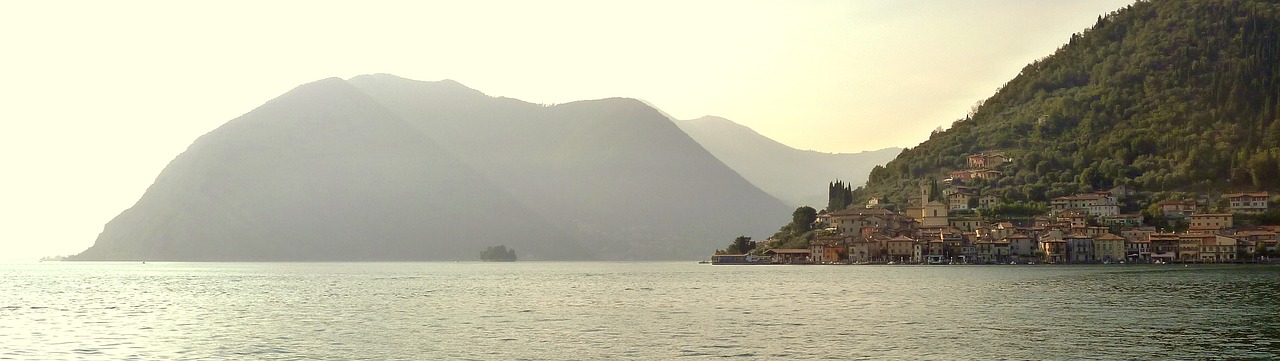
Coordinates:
(648, 311)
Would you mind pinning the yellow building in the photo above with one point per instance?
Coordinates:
(1210, 221)
(1219, 249)
(1108, 248)
(934, 215)
(901, 249)
(1189, 245)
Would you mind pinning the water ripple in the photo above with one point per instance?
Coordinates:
(634, 311)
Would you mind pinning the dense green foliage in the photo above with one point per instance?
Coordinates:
(740, 245)
(799, 232)
(499, 253)
(803, 217)
(839, 195)
(1177, 95)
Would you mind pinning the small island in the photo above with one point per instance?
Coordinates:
(499, 253)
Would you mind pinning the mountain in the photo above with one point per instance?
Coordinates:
(798, 177)
(384, 168)
(1164, 96)
(611, 169)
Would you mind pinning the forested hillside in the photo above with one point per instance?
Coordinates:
(1175, 95)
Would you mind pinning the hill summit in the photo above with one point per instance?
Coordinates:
(1179, 95)
(380, 167)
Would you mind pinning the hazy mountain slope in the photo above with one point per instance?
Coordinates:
(798, 177)
(613, 169)
(323, 173)
(1178, 95)
(385, 168)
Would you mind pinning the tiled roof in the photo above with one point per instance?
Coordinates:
(1081, 197)
(1127, 215)
(1109, 237)
(1253, 194)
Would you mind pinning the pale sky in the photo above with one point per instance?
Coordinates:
(97, 97)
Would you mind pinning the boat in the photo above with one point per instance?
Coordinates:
(739, 259)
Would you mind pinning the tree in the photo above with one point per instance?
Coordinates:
(935, 193)
(742, 244)
(802, 219)
(499, 253)
(839, 196)
(1169, 95)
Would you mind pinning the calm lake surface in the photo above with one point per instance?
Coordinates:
(650, 311)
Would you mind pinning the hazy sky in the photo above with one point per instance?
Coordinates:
(97, 97)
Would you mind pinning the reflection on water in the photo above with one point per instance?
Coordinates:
(532, 310)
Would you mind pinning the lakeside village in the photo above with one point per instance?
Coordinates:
(1078, 229)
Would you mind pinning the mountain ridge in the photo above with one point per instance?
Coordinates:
(270, 186)
(380, 167)
(798, 176)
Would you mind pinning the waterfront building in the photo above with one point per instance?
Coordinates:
(1258, 241)
(1164, 246)
(901, 249)
(918, 251)
(827, 249)
(1054, 249)
(985, 250)
(789, 255)
(1189, 245)
(1022, 247)
(1079, 248)
(1109, 248)
(1001, 251)
(863, 250)
(1137, 249)
(1218, 249)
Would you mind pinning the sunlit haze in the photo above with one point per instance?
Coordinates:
(99, 96)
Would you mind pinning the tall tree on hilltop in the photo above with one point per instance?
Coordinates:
(839, 196)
